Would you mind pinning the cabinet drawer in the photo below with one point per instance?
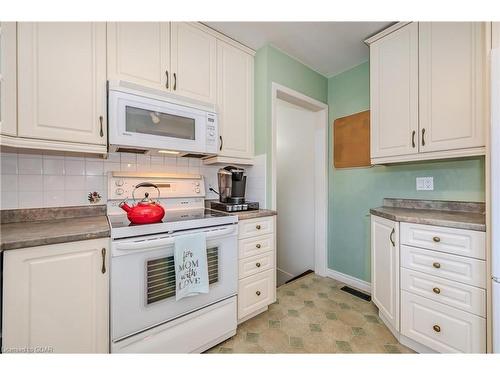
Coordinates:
(256, 292)
(255, 227)
(255, 245)
(465, 270)
(463, 242)
(461, 296)
(440, 327)
(252, 265)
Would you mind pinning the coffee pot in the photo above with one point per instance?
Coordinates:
(232, 183)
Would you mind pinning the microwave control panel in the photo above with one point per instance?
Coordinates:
(212, 132)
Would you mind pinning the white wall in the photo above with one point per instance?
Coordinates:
(295, 168)
(38, 179)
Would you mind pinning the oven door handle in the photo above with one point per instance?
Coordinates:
(144, 245)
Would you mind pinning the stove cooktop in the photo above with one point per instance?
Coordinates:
(174, 220)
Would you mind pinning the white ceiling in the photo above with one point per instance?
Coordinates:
(327, 47)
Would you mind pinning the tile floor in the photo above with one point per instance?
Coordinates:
(312, 315)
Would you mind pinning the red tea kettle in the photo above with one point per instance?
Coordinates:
(147, 211)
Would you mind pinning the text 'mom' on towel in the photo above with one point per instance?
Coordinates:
(191, 268)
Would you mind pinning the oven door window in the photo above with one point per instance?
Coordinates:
(149, 122)
(160, 274)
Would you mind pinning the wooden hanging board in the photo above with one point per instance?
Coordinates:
(351, 141)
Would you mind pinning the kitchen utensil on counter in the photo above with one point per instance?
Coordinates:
(147, 211)
(232, 185)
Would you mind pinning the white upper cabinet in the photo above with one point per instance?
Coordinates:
(428, 84)
(57, 297)
(62, 81)
(193, 61)
(452, 84)
(235, 101)
(8, 71)
(394, 93)
(139, 52)
(385, 268)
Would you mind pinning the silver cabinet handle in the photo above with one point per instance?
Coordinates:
(413, 139)
(103, 254)
(423, 137)
(258, 246)
(436, 239)
(436, 328)
(258, 292)
(175, 81)
(221, 143)
(436, 265)
(166, 74)
(390, 237)
(257, 264)
(101, 132)
(436, 290)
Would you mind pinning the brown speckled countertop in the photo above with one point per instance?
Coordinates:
(461, 215)
(44, 226)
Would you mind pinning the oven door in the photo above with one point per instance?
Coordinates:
(143, 279)
(146, 123)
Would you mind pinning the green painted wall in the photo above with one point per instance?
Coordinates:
(272, 65)
(352, 192)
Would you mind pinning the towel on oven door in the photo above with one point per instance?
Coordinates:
(191, 268)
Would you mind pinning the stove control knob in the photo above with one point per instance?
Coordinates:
(119, 182)
(119, 191)
(197, 190)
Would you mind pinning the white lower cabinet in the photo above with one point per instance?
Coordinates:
(55, 298)
(440, 296)
(441, 327)
(257, 266)
(385, 269)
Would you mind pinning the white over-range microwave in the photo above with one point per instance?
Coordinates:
(144, 120)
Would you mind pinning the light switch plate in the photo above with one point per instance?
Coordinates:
(425, 183)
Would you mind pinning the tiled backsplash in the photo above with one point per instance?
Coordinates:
(46, 180)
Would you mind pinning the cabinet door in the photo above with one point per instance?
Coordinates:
(495, 35)
(385, 268)
(62, 81)
(452, 83)
(394, 93)
(139, 52)
(8, 71)
(193, 54)
(235, 101)
(56, 298)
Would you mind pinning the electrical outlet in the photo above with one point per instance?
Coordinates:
(425, 183)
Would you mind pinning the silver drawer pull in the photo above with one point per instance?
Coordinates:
(258, 292)
(436, 328)
(257, 264)
(258, 227)
(436, 290)
(436, 239)
(258, 246)
(436, 265)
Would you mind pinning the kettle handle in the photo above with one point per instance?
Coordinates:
(145, 184)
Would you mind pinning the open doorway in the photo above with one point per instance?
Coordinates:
(299, 176)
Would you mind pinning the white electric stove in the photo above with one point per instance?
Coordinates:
(145, 317)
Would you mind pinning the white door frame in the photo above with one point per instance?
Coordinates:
(321, 170)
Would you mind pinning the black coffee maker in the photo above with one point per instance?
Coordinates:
(232, 184)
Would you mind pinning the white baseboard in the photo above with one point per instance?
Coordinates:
(349, 280)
